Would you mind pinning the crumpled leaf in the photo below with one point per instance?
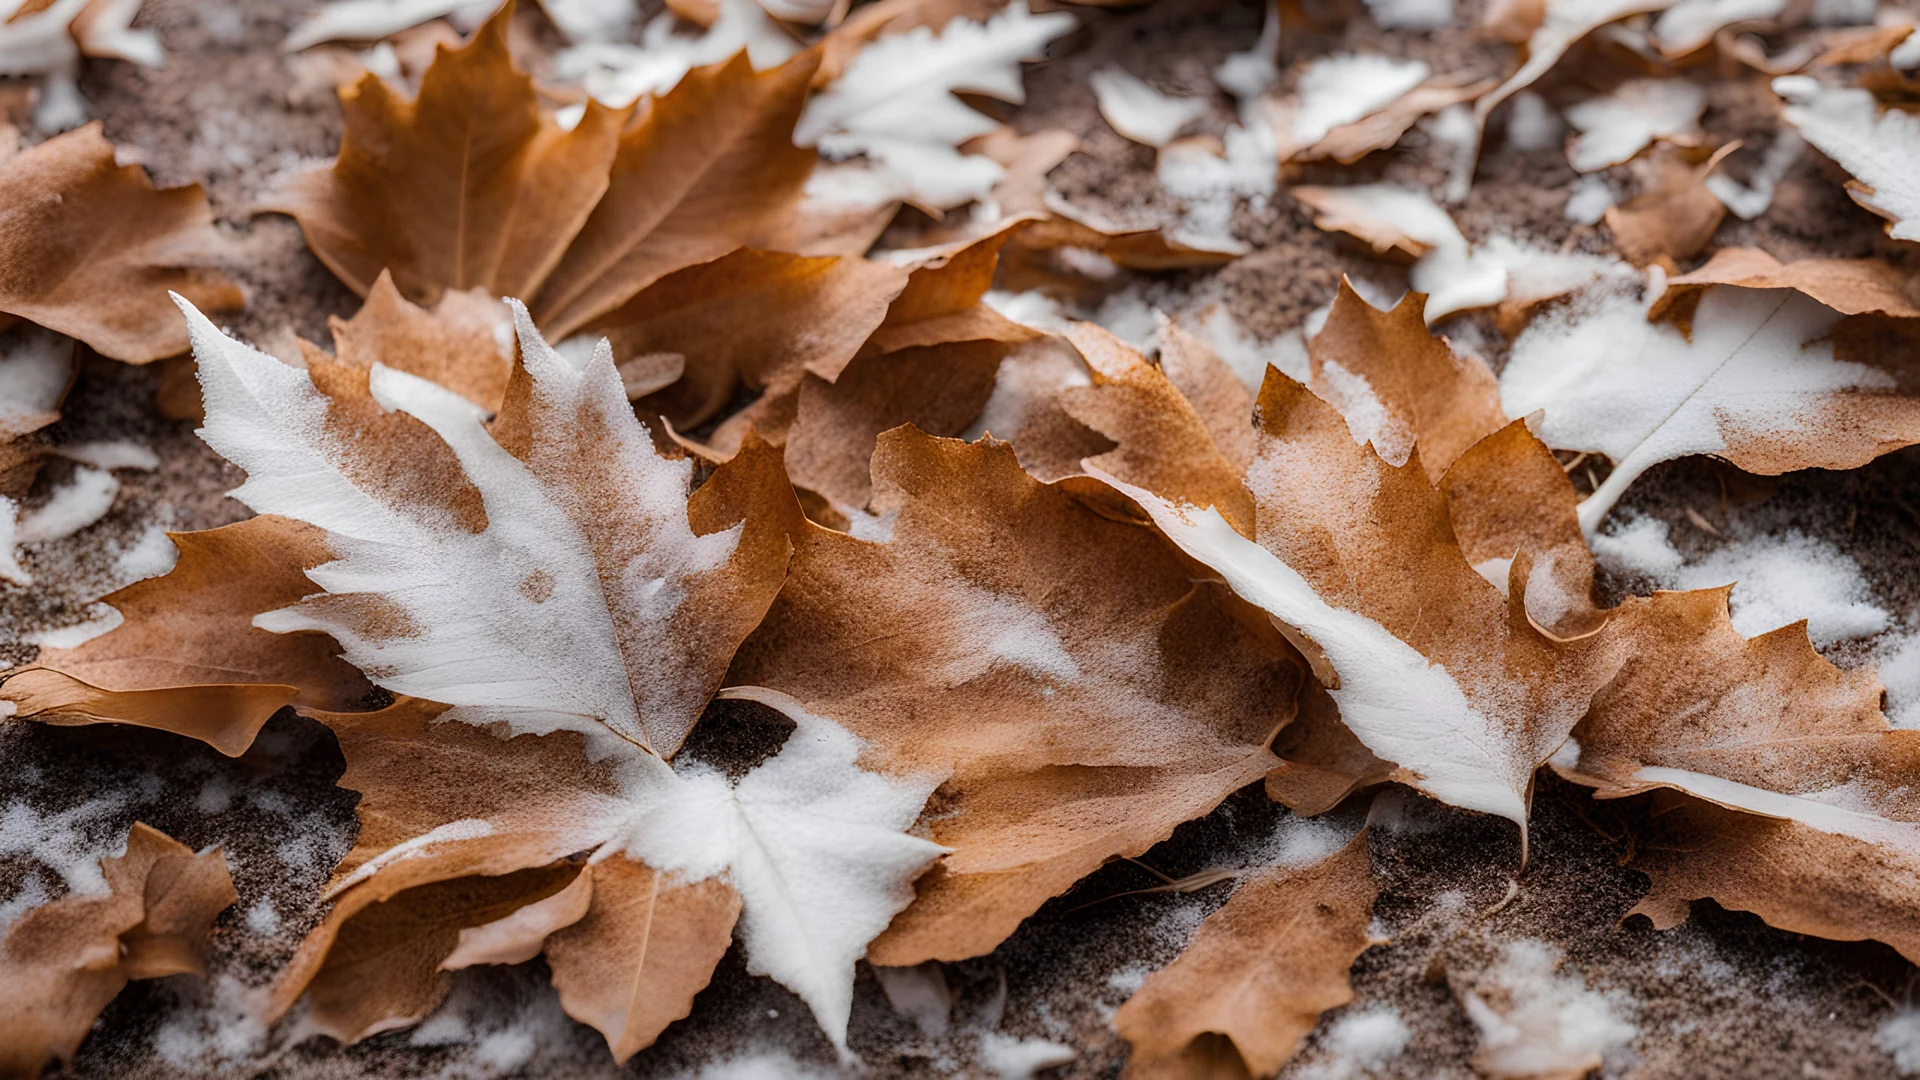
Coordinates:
(1756, 382)
(1358, 559)
(63, 961)
(1848, 286)
(91, 248)
(187, 658)
(463, 832)
(545, 574)
(1880, 147)
(1259, 971)
(1825, 839)
(1078, 691)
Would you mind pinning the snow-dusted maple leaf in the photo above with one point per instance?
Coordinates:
(466, 838)
(1813, 822)
(1880, 147)
(895, 103)
(545, 574)
(1431, 667)
(1754, 382)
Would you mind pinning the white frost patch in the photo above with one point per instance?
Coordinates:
(112, 454)
(1008, 1057)
(77, 634)
(1532, 124)
(1787, 577)
(33, 376)
(1248, 356)
(1138, 111)
(1358, 1042)
(262, 919)
(1899, 665)
(761, 1065)
(1553, 1025)
(69, 842)
(1899, 1036)
(224, 1026)
(816, 846)
(991, 630)
(1411, 14)
(1302, 841)
(1750, 200)
(150, 556)
(1777, 578)
(1339, 90)
(1619, 125)
(1033, 373)
(1881, 148)
(10, 568)
(76, 504)
(1691, 24)
(895, 101)
(1592, 197)
(1368, 419)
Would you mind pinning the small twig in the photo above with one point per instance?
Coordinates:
(1190, 883)
(1701, 523)
(1513, 893)
(1577, 459)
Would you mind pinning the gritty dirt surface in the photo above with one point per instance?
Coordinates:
(1721, 996)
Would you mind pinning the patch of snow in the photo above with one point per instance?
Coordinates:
(1591, 199)
(1007, 1057)
(1532, 124)
(1619, 125)
(76, 504)
(1899, 1036)
(112, 454)
(34, 375)
(1411, 14)
(617, 73)
(262, 919)
(1357, 1042)
(1750, 200)
(10, 568)
(150, 556)
(1898, 662)
(371, 20)
(1135, 109)
(1554, 1024)
(1249, 356)
(1638, 544)
(69, 842)
(1339, 90)
(77, 634)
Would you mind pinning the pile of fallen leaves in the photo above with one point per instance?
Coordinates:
(1027, 598)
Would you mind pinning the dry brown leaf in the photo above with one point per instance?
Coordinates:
(1321, 761)
(1827, 843)
(1359, 560)
(1081, 693)
(1386, 370)
(1508, 496)
(1211, 387)
(1849, 286)
(1676, 217)
(1260, 971)
(1381, 130)
(468, 185)
(1334, 211)
(708, 167)
(91, 249)
(759, 318)
(1162, 444)
(463, 343)
(64, 961)
(188, 659)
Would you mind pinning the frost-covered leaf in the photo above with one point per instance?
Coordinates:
(35, 374)
(1620, 124)
(1135, 109)
(1079, 693)
(1349, 142)
(1880, 147)
(1260, 970)
(186, 657)
(62, 962)
(1827, 838)
(1755, 382)
(617, 73)
(895, 102)
(1335, 91)
(91, 248)
(546, 574)
(462, 830)
(1359, 560)
(1535, 1020)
